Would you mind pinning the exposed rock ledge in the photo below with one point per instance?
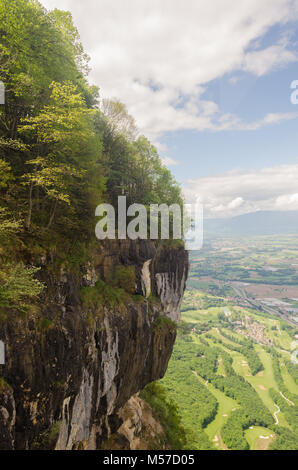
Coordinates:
(68, 383)
(139, 430)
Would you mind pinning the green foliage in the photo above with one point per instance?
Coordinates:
(232, 431)
(118, 289)
(139, 299)
(184, 329)
(59, 132)
(153, 299)
(48, 439)
(166, 412)
(293, 370)
(102, 294)
(8, 226)
(124, 277)
(230, 342)
(61, 155)
(163, 322)
(121, 123)
(252, 412)
(134, 169)
(36, 47)
(18, 286)
(247, 349)
(286, 438)
(176, 244)
(3, 385)
(278, 377)
(5, 173)
(197, 406)
(45, 324)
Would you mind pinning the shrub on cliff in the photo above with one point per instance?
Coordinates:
(124, 277)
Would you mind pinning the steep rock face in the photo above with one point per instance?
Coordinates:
(7, 418)
(139, 429)
(70, 370)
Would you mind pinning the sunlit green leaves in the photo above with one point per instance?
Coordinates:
(18, 286)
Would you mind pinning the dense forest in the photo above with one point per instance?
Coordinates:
(233, 391)
(63, 150)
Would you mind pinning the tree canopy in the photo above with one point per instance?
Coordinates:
(63, 148)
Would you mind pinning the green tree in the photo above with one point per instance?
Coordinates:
(120, 121)
(18, 286)
(60, 131)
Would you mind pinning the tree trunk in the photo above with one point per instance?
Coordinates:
(29, 217)
(53, 214)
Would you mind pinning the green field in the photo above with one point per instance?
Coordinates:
(288, 380)
(226, 406)
(259, 438)
(269, 260)
(214, 329)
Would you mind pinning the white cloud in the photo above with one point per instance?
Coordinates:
(238, 191)
(168, 161)
(271, 118)
(159, 56)
(262, 61)
(237, 202)
(287, 202)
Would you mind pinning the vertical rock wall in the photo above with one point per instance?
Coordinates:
(65, 380)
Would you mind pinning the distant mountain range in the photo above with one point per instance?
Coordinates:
(255, 223)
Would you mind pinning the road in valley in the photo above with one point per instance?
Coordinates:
(258, 305)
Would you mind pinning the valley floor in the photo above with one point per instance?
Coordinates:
(231, 376)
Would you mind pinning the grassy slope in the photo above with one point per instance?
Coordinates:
(288, 380)
(226, 406)
(261, 382)
(255, 437)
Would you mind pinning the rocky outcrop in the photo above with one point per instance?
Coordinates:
(71, 368)
(139, 429)
(7, 417)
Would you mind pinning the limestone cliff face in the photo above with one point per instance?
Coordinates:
(139, 429)
(68, 378)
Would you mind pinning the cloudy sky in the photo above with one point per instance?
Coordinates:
(209, 83)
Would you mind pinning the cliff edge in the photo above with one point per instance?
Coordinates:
(72, 366)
